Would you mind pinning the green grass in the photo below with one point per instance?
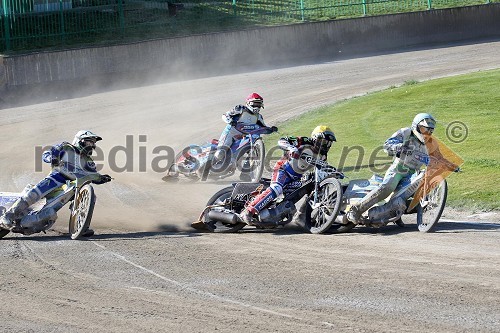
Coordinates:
(367, 121)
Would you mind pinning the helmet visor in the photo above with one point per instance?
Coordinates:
(256, 104)
(425, 130)
(323, 145)
(88, 142)
(88, 145)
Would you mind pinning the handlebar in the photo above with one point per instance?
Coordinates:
(254, 129)
(322, 165)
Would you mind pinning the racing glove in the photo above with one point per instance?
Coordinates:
(402, 149)
(103, 179)
(56, 153)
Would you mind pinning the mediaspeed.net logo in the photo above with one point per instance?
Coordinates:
(136, 155)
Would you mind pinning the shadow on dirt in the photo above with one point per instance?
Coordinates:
(59, 236)
(441, 227)
(144, 235)
(448, 226)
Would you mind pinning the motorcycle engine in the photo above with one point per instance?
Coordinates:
(38, 222)
(285, 209)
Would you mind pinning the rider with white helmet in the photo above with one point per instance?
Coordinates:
(63, 158)
(411, 147)
(85, 141)
(291, 167)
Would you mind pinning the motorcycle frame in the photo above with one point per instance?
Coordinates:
(247, 139)
(57, 202)
(412, 186)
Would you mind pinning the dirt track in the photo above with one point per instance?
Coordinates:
(147, 271)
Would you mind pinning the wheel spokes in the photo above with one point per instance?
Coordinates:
(323, 212)
(83, 207)
(432, 210)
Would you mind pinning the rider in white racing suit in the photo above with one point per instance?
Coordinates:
(79, 153)
(248, 115)
(291, 167)
(411, 148)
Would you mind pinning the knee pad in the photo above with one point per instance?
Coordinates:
(31, 196)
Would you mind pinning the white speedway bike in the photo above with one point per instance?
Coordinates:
(424, 194)
(43, 214)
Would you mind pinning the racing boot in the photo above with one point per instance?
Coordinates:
(88, 233)
(300, 216)
(256, 205)
(14, 213)
(355, 213)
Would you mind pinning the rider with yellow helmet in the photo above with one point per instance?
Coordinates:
(291, 167)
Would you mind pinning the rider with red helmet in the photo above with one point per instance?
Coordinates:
(248, 115)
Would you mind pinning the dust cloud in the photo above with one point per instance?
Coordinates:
(178, 113)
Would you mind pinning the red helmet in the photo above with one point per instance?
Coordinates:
(255, 102)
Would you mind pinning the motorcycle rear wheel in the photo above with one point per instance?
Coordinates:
(217, 226)
(184, 162)
(251, 162)
(321, 218)
(81, 212)
(428, 216)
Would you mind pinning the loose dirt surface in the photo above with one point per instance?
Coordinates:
(145, 270)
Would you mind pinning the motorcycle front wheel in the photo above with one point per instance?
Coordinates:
(217, 226)
(251, 162)
(321, 217)
(81, 211)
(428, 216)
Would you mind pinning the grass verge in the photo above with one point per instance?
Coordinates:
(466, 108)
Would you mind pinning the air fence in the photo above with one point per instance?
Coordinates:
(31, 25)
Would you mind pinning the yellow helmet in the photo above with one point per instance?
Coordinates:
(323, 137)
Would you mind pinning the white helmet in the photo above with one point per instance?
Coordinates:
(423, 124)
(85, 141)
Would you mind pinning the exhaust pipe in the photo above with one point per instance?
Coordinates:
(224, 217)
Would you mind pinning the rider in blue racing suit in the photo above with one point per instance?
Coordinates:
(79, 151)
(291, 167)
(248, 115)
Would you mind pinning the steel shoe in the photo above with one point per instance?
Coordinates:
(7, 221)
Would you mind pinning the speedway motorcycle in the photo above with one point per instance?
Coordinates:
(246, 155)
(43, 214)
(320, 188)
(424, 194)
